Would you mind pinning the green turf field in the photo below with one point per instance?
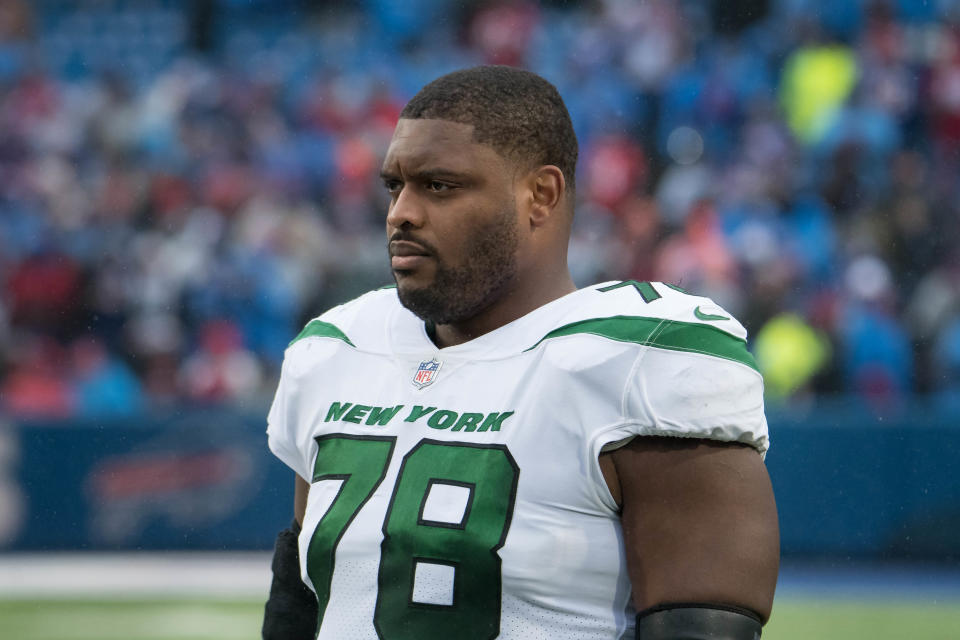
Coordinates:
(240, 620)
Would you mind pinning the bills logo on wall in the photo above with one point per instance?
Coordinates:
(172, 478)
(426, 373)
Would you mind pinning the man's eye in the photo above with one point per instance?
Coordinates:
(392, 186)
(438, 187)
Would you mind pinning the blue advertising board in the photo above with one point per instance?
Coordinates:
(849, 484)
(191, 479)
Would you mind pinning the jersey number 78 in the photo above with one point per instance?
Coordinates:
(411, 543)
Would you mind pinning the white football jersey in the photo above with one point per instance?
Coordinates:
(456, 493)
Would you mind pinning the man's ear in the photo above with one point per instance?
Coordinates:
(547, 187)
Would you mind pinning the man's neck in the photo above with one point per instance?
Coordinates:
(515, 304)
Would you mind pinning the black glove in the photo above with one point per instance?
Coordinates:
(291, 610)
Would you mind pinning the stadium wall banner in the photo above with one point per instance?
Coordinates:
(849, 483)
(870, 483)
(191, 479)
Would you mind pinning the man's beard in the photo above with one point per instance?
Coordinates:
(460, 293)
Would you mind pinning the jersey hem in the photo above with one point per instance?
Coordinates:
(761, 446)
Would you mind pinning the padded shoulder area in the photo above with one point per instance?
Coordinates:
(658, 300)
(358, 323)
(657, 315)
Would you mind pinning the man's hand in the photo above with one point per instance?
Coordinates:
(291, 610)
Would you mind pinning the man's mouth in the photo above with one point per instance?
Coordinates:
(406, 255)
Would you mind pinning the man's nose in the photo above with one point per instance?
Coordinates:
(406, 209)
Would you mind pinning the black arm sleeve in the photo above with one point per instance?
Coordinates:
(291, 609)
(698, 622)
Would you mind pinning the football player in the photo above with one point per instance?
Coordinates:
(485, 451)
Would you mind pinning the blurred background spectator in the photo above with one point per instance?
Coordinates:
(184, 184)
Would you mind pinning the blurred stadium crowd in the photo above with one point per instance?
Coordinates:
(184, 184)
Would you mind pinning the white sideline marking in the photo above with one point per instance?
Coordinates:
(134, 575)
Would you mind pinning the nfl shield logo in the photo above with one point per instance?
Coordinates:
(426, 373)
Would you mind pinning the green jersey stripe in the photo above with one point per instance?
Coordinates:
(322, 329)
(665, 334)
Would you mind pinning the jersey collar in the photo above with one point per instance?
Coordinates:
(408, 335)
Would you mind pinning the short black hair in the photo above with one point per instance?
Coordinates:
(517, 112)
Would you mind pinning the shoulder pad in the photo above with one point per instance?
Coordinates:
(658, 300)
(352, 322)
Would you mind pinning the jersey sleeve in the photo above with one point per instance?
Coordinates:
(284, 422)
(695, 378)
(306, 363)
(697, 396)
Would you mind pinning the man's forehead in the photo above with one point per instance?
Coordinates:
(433, 129)
(425, 141)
